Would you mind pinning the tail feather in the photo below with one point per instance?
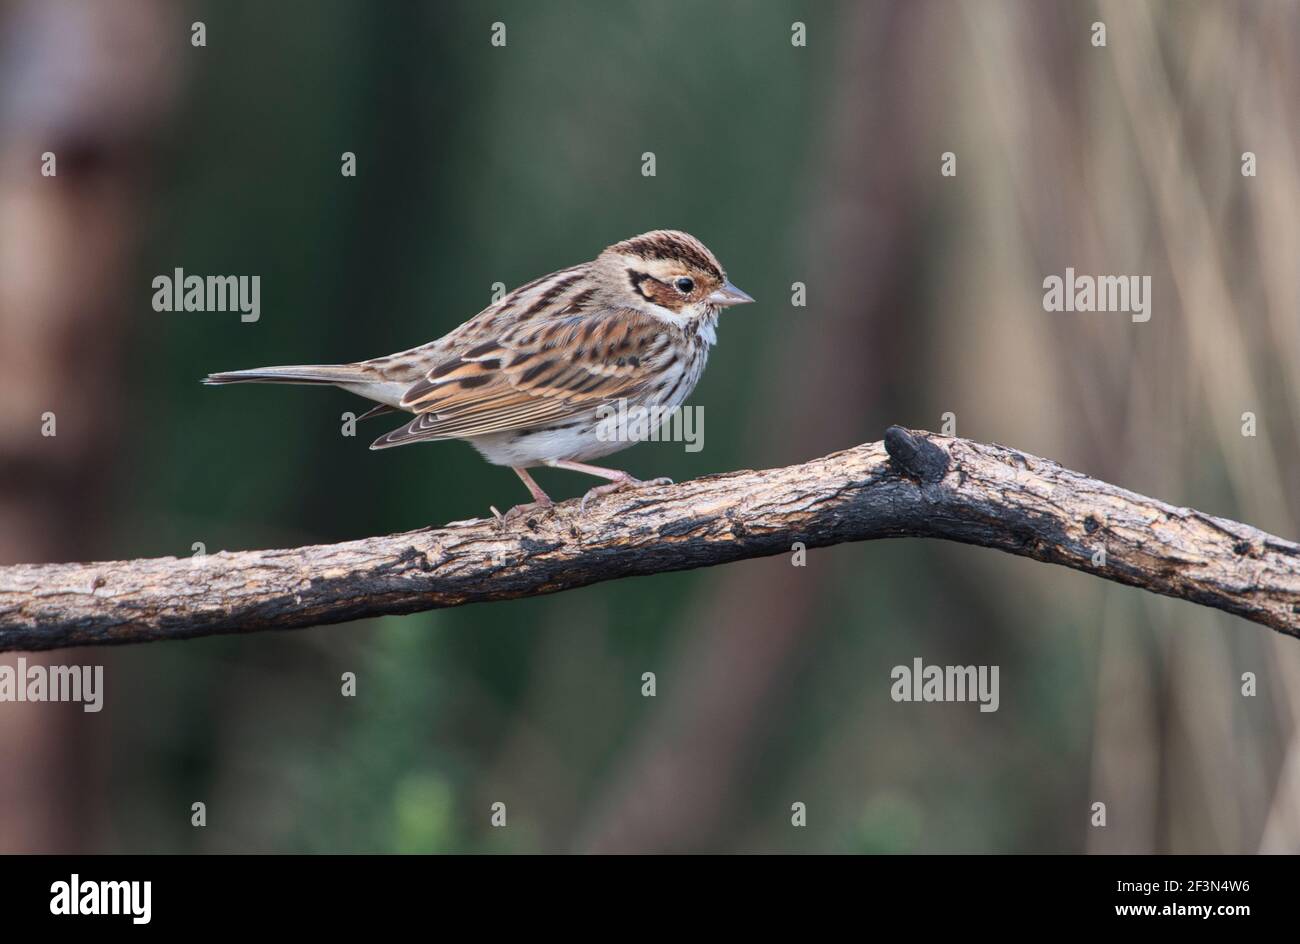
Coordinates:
(295, 374)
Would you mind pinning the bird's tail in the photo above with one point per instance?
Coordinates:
(296, 374)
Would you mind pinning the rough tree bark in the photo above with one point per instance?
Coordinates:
(910, 485)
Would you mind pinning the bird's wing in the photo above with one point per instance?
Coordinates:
(533, 373)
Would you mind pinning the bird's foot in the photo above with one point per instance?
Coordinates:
(520, 511)
(620, 485)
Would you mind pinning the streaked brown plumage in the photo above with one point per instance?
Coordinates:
(524, 379)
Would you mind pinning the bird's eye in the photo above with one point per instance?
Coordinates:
(684, 285)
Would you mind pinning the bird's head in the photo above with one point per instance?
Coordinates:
(668, 274)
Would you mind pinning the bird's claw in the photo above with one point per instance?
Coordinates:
(520, 510)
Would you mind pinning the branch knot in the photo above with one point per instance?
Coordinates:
(915, 456)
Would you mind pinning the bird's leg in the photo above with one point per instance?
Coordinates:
(534, 489)
(618, 479)
(540, 498)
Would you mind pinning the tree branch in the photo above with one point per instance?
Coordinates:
(911, 485)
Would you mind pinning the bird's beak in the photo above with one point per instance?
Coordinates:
(728, 295)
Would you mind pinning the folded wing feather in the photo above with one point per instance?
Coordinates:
(535, 373)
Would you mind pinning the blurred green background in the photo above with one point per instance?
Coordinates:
(816, 164)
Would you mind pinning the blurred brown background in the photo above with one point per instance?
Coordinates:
(817, 164)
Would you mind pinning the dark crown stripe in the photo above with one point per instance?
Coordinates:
(665, 247)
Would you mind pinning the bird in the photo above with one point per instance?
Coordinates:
(529, 380)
